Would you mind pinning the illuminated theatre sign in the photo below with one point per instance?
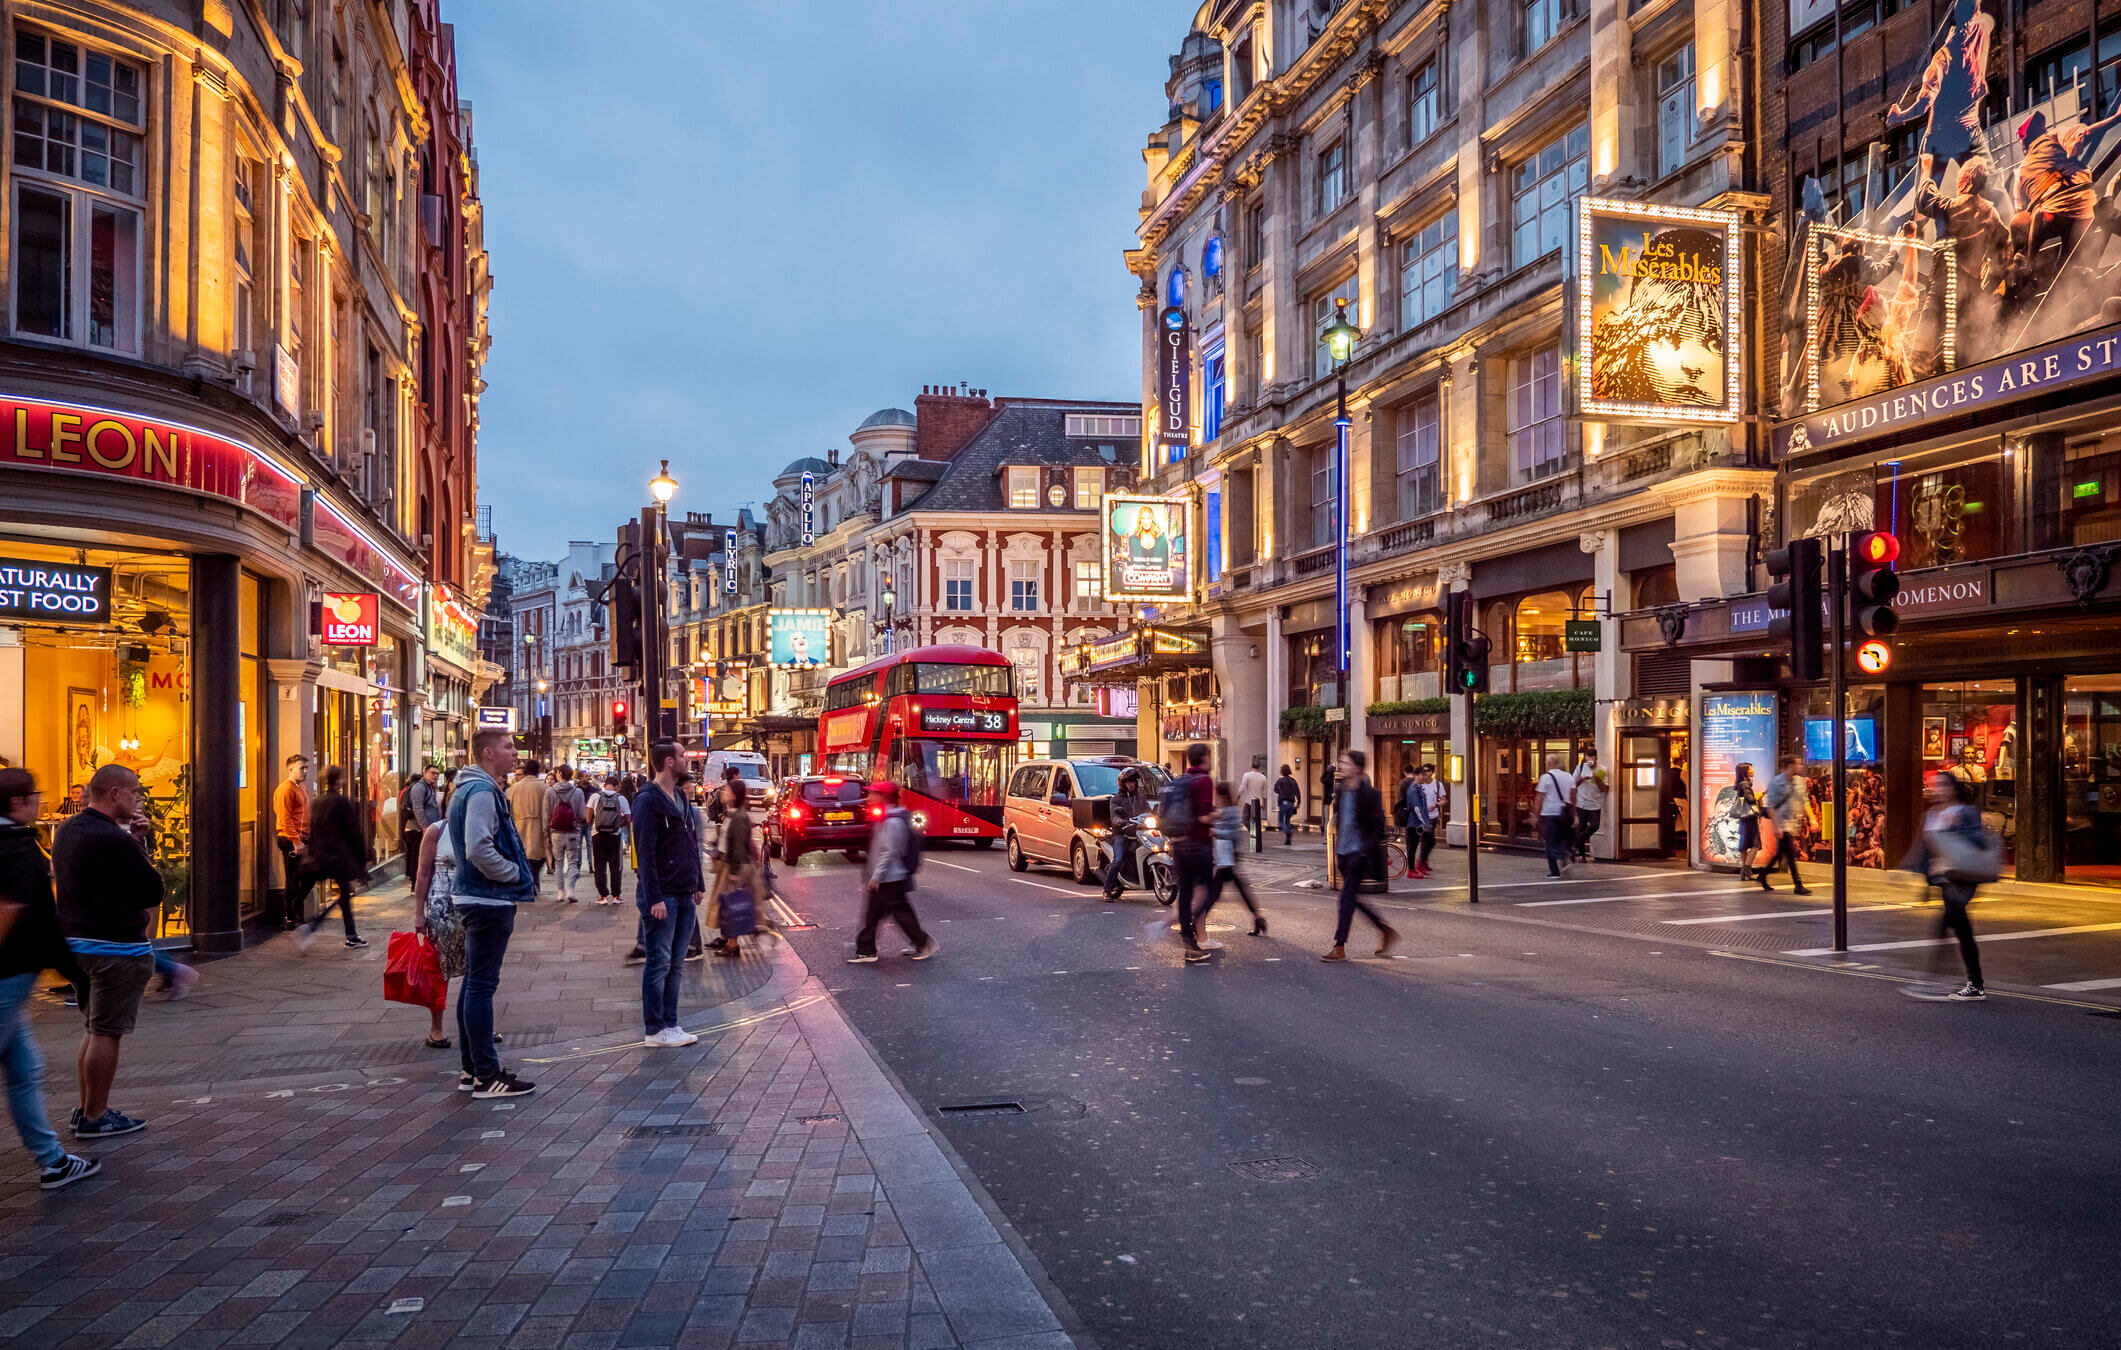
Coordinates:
(1657, 311)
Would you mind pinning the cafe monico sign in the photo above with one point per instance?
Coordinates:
(1657, 311)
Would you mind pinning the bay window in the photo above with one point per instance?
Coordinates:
(77, 188)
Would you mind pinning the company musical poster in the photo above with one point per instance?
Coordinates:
(1657, 312)
(1148, 553)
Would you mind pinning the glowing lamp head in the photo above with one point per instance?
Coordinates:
(1873, 657)
(1341, 336)
(1877, 549)
(618, 708)
(890, 596)
(663, 486)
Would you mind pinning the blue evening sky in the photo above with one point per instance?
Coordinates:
(726, 231)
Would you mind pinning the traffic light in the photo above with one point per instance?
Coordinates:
(1873, 583)
(1798, 569)
(1465, 649)
(625, 627)
(618, 717)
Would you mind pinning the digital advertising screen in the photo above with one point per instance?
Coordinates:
(1859, 734)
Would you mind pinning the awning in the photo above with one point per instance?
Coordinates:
(1135, 654)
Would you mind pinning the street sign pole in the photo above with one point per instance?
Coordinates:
(1472, 799)
(1837, 565)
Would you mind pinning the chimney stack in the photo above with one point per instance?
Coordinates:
(947, 417)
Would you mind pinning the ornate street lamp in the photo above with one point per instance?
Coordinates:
(1340, 338)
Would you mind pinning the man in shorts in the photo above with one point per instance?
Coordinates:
(108, 892)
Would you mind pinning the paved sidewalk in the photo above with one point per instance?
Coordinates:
(766, 1187)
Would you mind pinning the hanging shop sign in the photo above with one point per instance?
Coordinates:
(809, 509)
(503, 719)
(729, 562)
(1148, 549)
(452, 633)
(1174, 379)
(1582, 635)
(1735, 729)
(54, 592)
(1657, 312)
(73, 438)
(798, 639)
(349, 618)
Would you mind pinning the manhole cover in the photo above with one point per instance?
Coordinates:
(670, 1131)
(1275, 1169)
(985, 1109)
(281, 1220)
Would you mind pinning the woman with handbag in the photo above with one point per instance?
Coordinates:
(436, 918)
(1746, 807)
(1956, 853)
(737, 913)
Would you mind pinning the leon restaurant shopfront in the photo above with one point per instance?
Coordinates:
(2001, 482)
(157, 574)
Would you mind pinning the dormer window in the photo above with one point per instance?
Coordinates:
(1023, 489)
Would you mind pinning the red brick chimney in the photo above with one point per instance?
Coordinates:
(947, 417)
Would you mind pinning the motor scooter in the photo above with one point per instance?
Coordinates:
(1148, 866)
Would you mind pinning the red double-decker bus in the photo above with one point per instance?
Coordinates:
(938, 721)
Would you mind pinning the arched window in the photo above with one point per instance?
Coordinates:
(1175, 288)
(1541, 626)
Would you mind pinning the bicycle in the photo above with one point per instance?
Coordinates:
(1395, 860)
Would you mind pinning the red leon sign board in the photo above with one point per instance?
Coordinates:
(74, 438)
(351, 618)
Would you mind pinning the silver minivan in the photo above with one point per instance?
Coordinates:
(1057, 811)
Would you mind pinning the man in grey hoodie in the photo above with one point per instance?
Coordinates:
(493, 877)
(891, 861)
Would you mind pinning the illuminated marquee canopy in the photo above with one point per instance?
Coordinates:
(1657, 312)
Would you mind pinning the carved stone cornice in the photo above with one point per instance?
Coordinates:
(1712, 483)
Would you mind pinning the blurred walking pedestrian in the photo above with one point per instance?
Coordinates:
(107, 891)
(668, 891)
(1956, 854)
(494, 874)
(1358, 824)
(565, 813)
(891, 862)
(337, 852)
(1185, 812)
(30, 943)
(1788, 804)
(1227, 830)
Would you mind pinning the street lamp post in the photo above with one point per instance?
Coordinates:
(655, 641)
(1340, 338)
(884, 627)
(544, 723)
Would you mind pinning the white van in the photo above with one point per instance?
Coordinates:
(750, 766)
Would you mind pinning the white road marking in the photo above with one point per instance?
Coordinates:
(1610, 899)
(1948, 941)
(1781, 914)
(958, 866)
(2085, 986)
(1061, 890)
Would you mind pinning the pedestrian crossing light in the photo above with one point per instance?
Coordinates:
(1465, 649)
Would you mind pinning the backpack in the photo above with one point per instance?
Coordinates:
(405, 811)
(607, 812)
(916, 844)
(1174, 809)
(563, 818)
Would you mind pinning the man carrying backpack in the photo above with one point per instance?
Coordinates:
(894, 857)
(1185, 813)
(608, 819)
(564, 813)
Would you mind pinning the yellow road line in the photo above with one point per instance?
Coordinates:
(635, 1044)
(1907, 979)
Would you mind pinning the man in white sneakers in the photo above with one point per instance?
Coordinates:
(670, 884)
(608, 819)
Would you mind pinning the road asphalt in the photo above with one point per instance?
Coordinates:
(1520, 1129)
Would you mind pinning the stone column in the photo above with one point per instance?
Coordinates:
(1360, 669)
(1613, 117)
(1613, 677)
(1240, 668)
(1277, 667)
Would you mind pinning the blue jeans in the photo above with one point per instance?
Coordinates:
(665, 940)
(487, 929)
(23, 1068)
(1286, 812)
(1558, 844)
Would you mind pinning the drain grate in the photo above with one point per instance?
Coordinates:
(670, 1131)
(285, 1218)
(985, 1109)
(1275, 1169)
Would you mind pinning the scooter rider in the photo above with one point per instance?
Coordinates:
(1128, 805)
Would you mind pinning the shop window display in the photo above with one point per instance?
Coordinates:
(1945, 508)
(2091, 778)
(1863, 725)
(77, 696)
(1971, 731)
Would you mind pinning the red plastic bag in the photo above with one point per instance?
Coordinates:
(412, 973)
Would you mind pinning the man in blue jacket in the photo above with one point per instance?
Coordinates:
(672, 882)
(493, 877)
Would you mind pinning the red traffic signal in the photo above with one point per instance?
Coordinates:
(618, 716)
(1876, 548)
